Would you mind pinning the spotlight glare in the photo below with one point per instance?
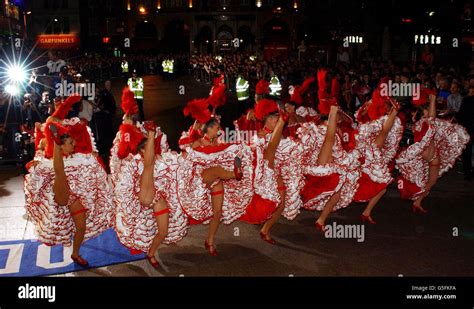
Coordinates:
(12, 90)
(16, 74)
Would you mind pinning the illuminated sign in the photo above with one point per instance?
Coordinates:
(58, 41)
(427, 39)
(353, 39)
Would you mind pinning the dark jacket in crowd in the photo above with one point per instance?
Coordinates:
(465, 116)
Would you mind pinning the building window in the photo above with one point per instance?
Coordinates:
(93, 26)
(61, 25)
(65, 25)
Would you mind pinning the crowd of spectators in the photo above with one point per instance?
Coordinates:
(358, 79)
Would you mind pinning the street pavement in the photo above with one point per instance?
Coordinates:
(439, 243)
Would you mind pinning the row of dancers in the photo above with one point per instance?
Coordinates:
(298, 158)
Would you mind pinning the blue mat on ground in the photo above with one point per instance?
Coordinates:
(25, 258)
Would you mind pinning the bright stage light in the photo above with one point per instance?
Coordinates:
(12, 90)
(16, 74)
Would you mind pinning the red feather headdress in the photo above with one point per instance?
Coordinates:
(218, 97)
(335, 87)
(322, 84)
(130, 138)
(324, 105)
(424, 96)
(377, 108)
(299, 91)
(129, 104)
(198, 109)
(265, 107)
(218, 81)
(50, 139)
(262, 87)
(64, 108)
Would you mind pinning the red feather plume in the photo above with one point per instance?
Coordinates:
(218, 97)
(262, 87)
(198, 109)
(377, 107)
(130, 137)
(64, 108)
(218, 81)
(49, 148)
(324, 105)
(297, 97)
(129, 104)
(305, 86)
(299, 91)
(265, 107)
(335, 87)
(322, 84)
(424, 96)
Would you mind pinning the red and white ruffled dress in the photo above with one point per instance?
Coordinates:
(135, 223)
(195, 196)
(88, 183)
(375, 171)
(287, 164)
(308, 114)
(265, 195)
(323, 181)
(449, 138)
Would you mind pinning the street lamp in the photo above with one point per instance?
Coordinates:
(25, 35)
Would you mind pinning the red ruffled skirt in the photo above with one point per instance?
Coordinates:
(408, 190)
(368, 188)
(317, 185)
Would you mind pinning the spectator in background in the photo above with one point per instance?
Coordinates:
(454, 99)
(427, 57)
(443, 92)
(342, 57)
(29, 111)
(103, 120)
(54, 64)
(465, 118)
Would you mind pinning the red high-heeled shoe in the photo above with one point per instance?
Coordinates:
(284, 115)
(395, 104)
(320, 227)
(415, 209)
(210, 248)
(365, 218)
(149, 126)
(267, 238)
(80, 261)
(238, 168)
(155, 264)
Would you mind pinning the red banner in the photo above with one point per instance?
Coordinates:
(58, 41)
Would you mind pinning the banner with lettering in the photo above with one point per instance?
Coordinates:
(25, 258)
